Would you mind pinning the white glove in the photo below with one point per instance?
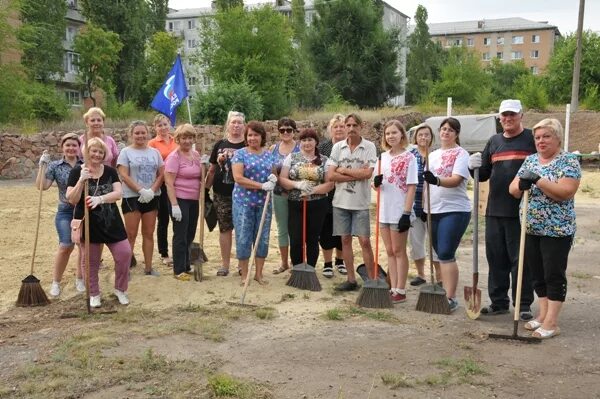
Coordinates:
(176, 213)
(205, 159)
(303, 185)
(93, 202)
(268, 186)
(44, 159)
(475, 161)
(85, 174)
(272, 178)
(146, 195)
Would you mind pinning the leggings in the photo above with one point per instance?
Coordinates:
(281, 217)
(183, 234)
(315, 211)
(546, 260)
(164, 212)
(121, 252)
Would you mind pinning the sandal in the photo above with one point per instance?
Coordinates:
(280, 270)
(532, 325)
(261, 281)
(542, 333)
(342, 269)
(223, 272)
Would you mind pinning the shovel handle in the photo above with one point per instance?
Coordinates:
(475, 224)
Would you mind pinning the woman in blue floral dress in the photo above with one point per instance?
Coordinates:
(552, 176)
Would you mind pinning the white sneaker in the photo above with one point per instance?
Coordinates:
(80, 285)
(95, 301)
(122, 297)
(55, 288)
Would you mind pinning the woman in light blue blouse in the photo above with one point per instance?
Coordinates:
(552, 176)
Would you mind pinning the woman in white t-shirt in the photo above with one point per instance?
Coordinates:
(142, 171)
(397, 181)
(450, 206)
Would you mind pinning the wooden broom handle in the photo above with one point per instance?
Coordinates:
(377, 200)
(39, 215)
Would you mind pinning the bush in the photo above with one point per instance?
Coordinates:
(117, 111)
(591, 101)
(212, 106)
(532, 93)
(46, 104)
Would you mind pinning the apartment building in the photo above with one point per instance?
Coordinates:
(184, 23)
(508, 39)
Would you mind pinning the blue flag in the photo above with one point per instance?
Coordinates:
(172, 92)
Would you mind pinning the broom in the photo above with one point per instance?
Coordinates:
(432, 297)
(31, 292)
(375, 293)
(303, 275)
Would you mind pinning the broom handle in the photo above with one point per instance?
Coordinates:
(86, 228)
(39, 215)
(202, 193)
(521, 255)
(377, 200)
(432, 278)
(304, 230)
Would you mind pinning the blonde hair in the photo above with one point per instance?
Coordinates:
(159, 117)
(230, 116)
(93, 110)
(420, 127)
(553, 126)
(336, 118)
(185, 130)
(96, 142)
(400, 126)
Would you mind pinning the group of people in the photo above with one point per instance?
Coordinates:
(320, 194)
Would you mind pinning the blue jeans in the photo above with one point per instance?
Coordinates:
(246, 220)
(447, 230)
(62, 221)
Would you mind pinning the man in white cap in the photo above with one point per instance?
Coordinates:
(501, 159)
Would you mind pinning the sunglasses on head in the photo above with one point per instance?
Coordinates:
(286, 130)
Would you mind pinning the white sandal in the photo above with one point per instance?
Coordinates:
(542, 333)
(532, 325)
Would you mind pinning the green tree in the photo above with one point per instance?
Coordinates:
(530, 90)
(158, 14)
(7, 32)
(41, 35)
(212, 106)
(250, 45)
(224, 5)
(298, 21)
(424, 61)
(353, 53)
(505, 76)
(160, 54)
(559, 72)
(98, 58)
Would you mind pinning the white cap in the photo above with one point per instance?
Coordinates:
(510, 106)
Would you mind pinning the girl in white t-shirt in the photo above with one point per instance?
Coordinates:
(450, 206)
(397, 181)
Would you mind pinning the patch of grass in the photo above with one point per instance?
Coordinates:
(226, 386)
(334, 314)
(265, 313)
(193, 308)
(461, 370)
(306, 296)
(287, 297)
(395, 381)
(354, 311)
(582, 275)
(436, 379)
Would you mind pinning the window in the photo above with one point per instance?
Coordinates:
(192, 80)
(517, 40)
(192, 24)
(191, 43)
(454, 42)
(73, 97)
(500, 41)
(470, 42)
(173, 26)
(72, 4)
(206, 80)
(71, 60)
(535, 38)
(485, 56)
(535, 54)
(70, 33)
(517, 55)
(487, 41)
(534, 70)
(500, 55)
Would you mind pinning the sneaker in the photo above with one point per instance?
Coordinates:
(152, 272)
(133, 261)
(95, 301)
(79, 285)
(341, 268)
(526, 315)
(182, 277)
(453, 303)
(347, 286)
(55, 288)
(122, 297)
(417, 281)
(167, 261)
(492, 310)
(398, 298)
(328, 272)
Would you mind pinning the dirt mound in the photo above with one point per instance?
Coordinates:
(584, 134)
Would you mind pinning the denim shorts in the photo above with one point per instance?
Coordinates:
(351, 222)
(391, 226)
(62, 221)
(246, 220)
(447, 230)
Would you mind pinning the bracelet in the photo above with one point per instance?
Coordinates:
(102, 199)
(407, 213)
(439, 182)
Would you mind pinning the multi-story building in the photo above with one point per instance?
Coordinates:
(508, 39)
(184, 23)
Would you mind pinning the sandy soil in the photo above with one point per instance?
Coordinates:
(301, 353)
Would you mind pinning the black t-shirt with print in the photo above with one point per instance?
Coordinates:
(106, 225)
(223, 180)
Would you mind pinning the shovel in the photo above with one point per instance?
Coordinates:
(473, 294)
(197, 254)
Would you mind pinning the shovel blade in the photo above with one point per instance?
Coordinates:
(473, 302)
(197, 254)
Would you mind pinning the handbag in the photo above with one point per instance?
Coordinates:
(76, 225)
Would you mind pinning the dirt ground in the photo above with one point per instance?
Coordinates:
(182, 340)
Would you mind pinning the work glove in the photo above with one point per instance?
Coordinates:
(404, 223)
(93, 202)
(431, 178)
(475, 161)
(44, 159)
(377, 180)
(85, 174)
(146, 195)
(176, 213)
(268, 186)
(528, 179)
(424, 217)
(272, 178)
(303, 185)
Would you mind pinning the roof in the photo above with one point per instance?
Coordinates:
(189, 12)
(487, 25)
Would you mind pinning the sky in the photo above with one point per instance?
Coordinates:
(561, 13)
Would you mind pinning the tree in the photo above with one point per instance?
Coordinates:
(298, 21)
(41, 36)
(212, 106)
(224, 5)
(98, 57)
(158, 14)
(160, 54)
(352, 52)
(505, 76)
(250, 45)
(559, 72)
(128, 19)
(424, 61)
(7, 12)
